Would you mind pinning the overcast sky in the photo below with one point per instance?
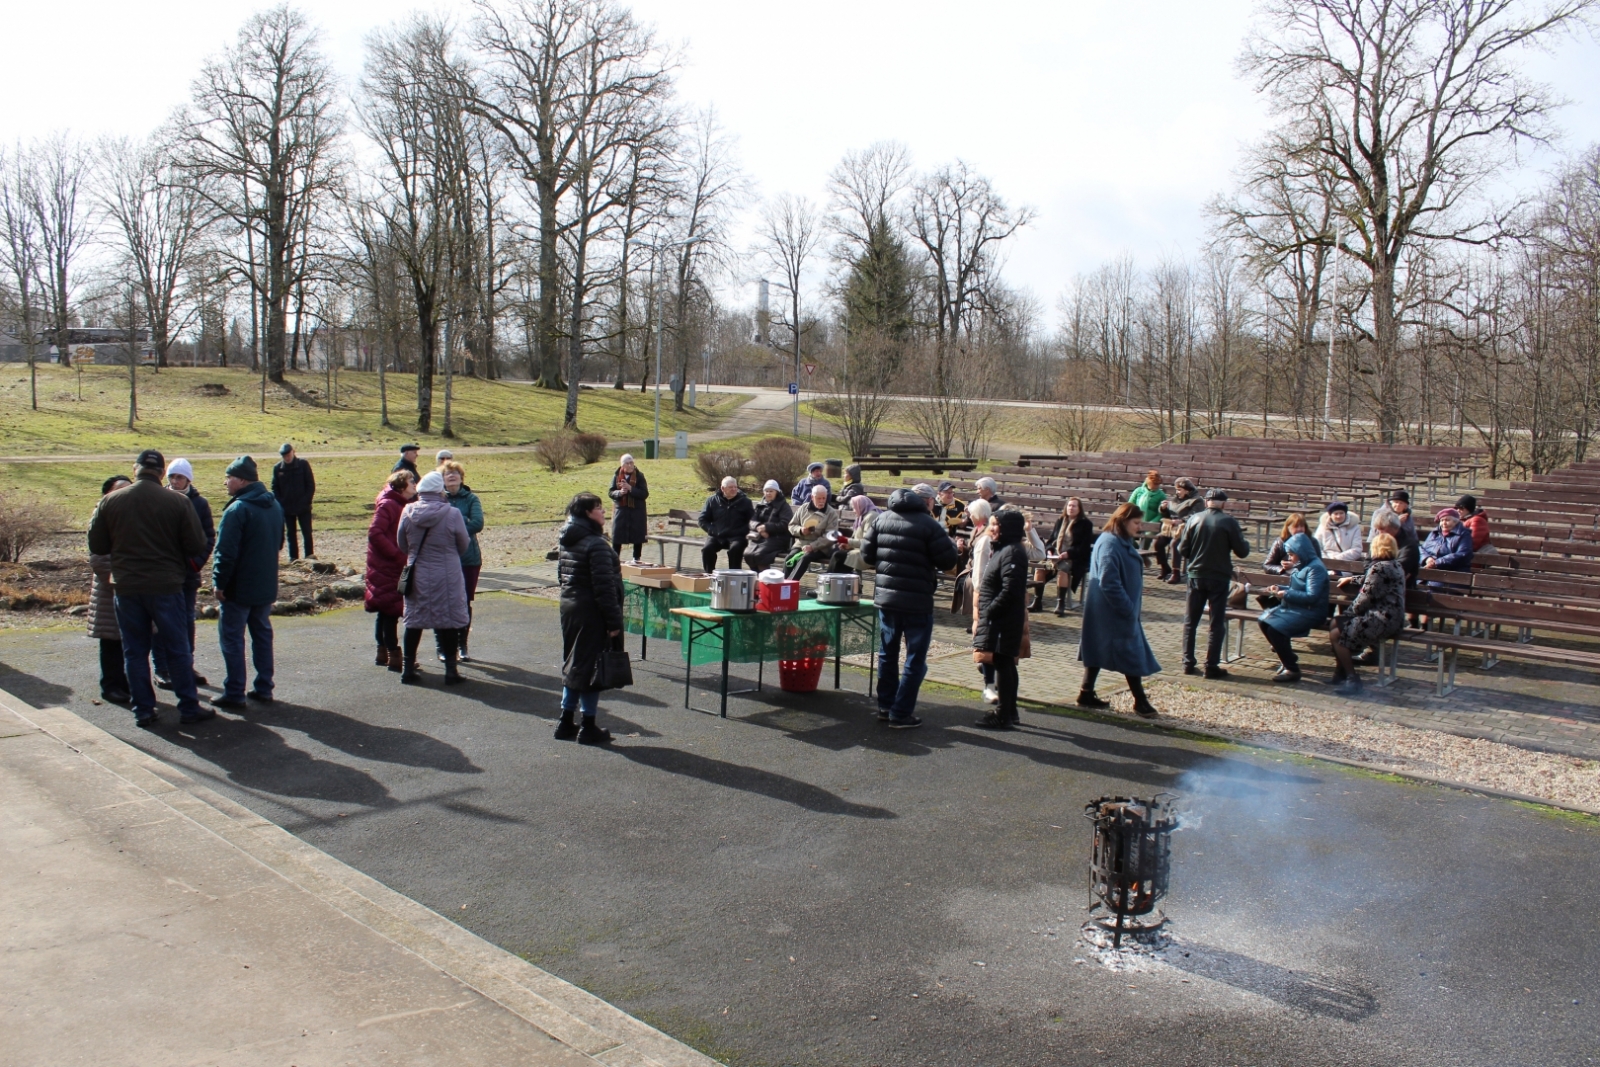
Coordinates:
(1115, 121)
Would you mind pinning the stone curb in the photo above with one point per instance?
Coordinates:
(570, 1015)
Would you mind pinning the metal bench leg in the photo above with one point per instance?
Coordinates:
(1388, 656)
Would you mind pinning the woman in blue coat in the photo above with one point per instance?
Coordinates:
(1113, 637)
(1302, 606)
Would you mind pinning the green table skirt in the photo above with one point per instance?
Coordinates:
(642, 604)
(812, 631)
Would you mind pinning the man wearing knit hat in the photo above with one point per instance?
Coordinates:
(150, 534)
(180, 479)
(244, 574)
(295, 487)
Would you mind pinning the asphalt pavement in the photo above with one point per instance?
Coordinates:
(797, 885)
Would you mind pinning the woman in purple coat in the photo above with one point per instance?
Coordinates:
(433, 536)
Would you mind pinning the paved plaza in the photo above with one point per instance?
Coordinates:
(796, 885)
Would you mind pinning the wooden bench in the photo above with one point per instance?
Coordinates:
(681, 538)
(1447, 647)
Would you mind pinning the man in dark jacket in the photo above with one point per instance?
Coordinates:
(1209, 542)
(1176, 511)
(407, 460)
(295, 486)
(180, 479)
(726, 520)
(244, 574)
(150, 534)
(908, 549)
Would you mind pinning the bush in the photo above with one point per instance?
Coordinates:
(715, 466)
(24, 523)
(556, 452)
(590, 446)
(783, 459)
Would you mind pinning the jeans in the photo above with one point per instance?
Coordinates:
(231, 625)
(588, 700)
(897, 691)
(304, 522)
(1206, 593)
(150, 620)
(158, 655)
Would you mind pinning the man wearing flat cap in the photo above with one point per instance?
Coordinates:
(1208, 542)
(407, 460)
(150, 535)
(295, 487)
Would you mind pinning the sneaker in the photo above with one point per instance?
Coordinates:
(199, 716)
(226, 701)
(883, 714)
(1087, 699)
(265, 698)
(590, 734)
(1286, 677)
(462, 657)
(910, 722)
(1215, 673)
(991, 695)
(146, 722)
(566, 730)
(163, 683)
(993, 721)
(115, 696)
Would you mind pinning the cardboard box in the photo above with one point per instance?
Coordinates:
(645, 570)
(692, 583)
(652, 583)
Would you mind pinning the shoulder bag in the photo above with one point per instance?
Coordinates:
(404, 584)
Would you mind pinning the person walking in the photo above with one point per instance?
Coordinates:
(1113, 593)
(180, 479)
(1302, 605)
(1174, 512)
(385, 561)
(295, 487)
(1071, 543)
(629, 523)
(1003, 616)
(770, 539)
(1208, 542)
(813, 525)
(407, 460)
(244, 576)
(726, 521)
(591, 615)
(433, 536)
(150, 534)
(102, 617)
(464, 500)
(909, 549)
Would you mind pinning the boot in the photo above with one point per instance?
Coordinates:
(1061, 604)
(383, 657)
(566, 729)
(409, 675)
(590, 734)
(1144, 709)
(1038, 598)
(452, 676)
(1087, 699)
(396, 660)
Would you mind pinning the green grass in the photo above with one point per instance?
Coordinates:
(177, 416)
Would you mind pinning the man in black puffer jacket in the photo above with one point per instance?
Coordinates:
(908, 549)
(726, 520)
(591, 614)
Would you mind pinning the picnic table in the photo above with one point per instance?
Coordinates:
(711, 635)
(647, 611)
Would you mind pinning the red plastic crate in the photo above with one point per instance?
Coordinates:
(777, 596)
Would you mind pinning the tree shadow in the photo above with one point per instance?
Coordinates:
(385, 744)
(257, 758)
(749, 780)
(1320, 995)
(33, 689)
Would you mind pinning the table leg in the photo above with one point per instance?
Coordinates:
(838, 643)
(725, 637)
(688, 659)
(644, 630)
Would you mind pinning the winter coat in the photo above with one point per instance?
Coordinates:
(150, 533)
(1303, 606)
(466, 501)
(1148, 500)
(103, 602)
(1112, 635)
(1477, 525)
(851, 489)
(801, 493)
(1003, 601)
(727, 520)
(403, 464)
(244, 567)
(1410, 552)
(909, 549)
(858, 537)
(775, 517)
(438, 599)
(827, 522)
(1379, 610)
(630, 523)
(1340, 542)
(294, 485)
(953, 516)
(1076, 542)
(384, 558)
(202, 511)
(1449, 552)
(1175, 513)
(1208, 541)
(1384, 514)
(1276, 555)
(983, 548)
(591, 600)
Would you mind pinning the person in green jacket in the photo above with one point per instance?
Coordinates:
(244, 577)
(465, 501)
(1148, 497)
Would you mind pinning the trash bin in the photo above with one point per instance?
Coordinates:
(833, 469)
(649, 448)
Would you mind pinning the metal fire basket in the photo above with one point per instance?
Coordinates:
(1131, 861)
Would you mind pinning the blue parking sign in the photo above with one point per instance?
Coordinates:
(794, 388)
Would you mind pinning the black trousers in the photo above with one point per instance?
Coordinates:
(304, 522)
(818, 552)
(1091, 675)
(386, 630)
(1005, 680)
(713, 545)
(618, 542)
(1206, 593)
(1283, 646)
(113, 673)
(765, 552)
(448, 643)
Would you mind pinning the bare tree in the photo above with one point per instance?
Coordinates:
(21, 252)
(65, 223)
(789, 233)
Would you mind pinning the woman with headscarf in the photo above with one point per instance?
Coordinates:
(591, 615)
(1003, 615)
(1071, 542)
(433, 536)
(384, 564)
(1303, 605)
(103, 616)
(629, 491)
(1113, 636)
(847, 557)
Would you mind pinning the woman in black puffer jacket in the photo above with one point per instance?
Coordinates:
(1003, 615)
(591, 614)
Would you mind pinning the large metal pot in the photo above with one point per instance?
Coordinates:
(838, 588)
(733, 590)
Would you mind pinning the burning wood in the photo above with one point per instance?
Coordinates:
(1131, 860)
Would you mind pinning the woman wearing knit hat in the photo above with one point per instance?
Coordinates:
(433, 536)
(769, 529)
(180, 479)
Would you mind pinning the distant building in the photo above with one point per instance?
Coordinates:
(101, 345)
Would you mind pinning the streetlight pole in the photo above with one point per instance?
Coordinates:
(655, 283)
(1333, 332)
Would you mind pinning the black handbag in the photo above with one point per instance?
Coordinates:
(404, 585)
(612, 668)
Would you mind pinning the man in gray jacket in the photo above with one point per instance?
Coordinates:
(1209, 542)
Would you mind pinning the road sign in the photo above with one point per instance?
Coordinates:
(811, 368)
(794, 388)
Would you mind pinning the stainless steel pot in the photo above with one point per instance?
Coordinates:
(733, 590)
(838, 588)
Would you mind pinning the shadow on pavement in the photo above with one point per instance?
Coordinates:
(36, 691)
(386, 744)
(749, 780)
(255, 757)
(1320, 995)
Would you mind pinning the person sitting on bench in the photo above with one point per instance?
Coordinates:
(1339, 537)
(769, 530)
(1377, 614)
(802, 489)
(1303, 607)
(1174, 512)
(726, 519)
(1476, 520)
(1449, 546)
(813, 525)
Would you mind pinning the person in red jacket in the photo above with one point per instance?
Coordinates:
(385, 561)
(1476, 520)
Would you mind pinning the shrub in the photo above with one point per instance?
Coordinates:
(24, 523)
(590, 446)
(782, 459)
(715, 466)
(556, 452)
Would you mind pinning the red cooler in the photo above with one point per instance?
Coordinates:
(777, 596)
